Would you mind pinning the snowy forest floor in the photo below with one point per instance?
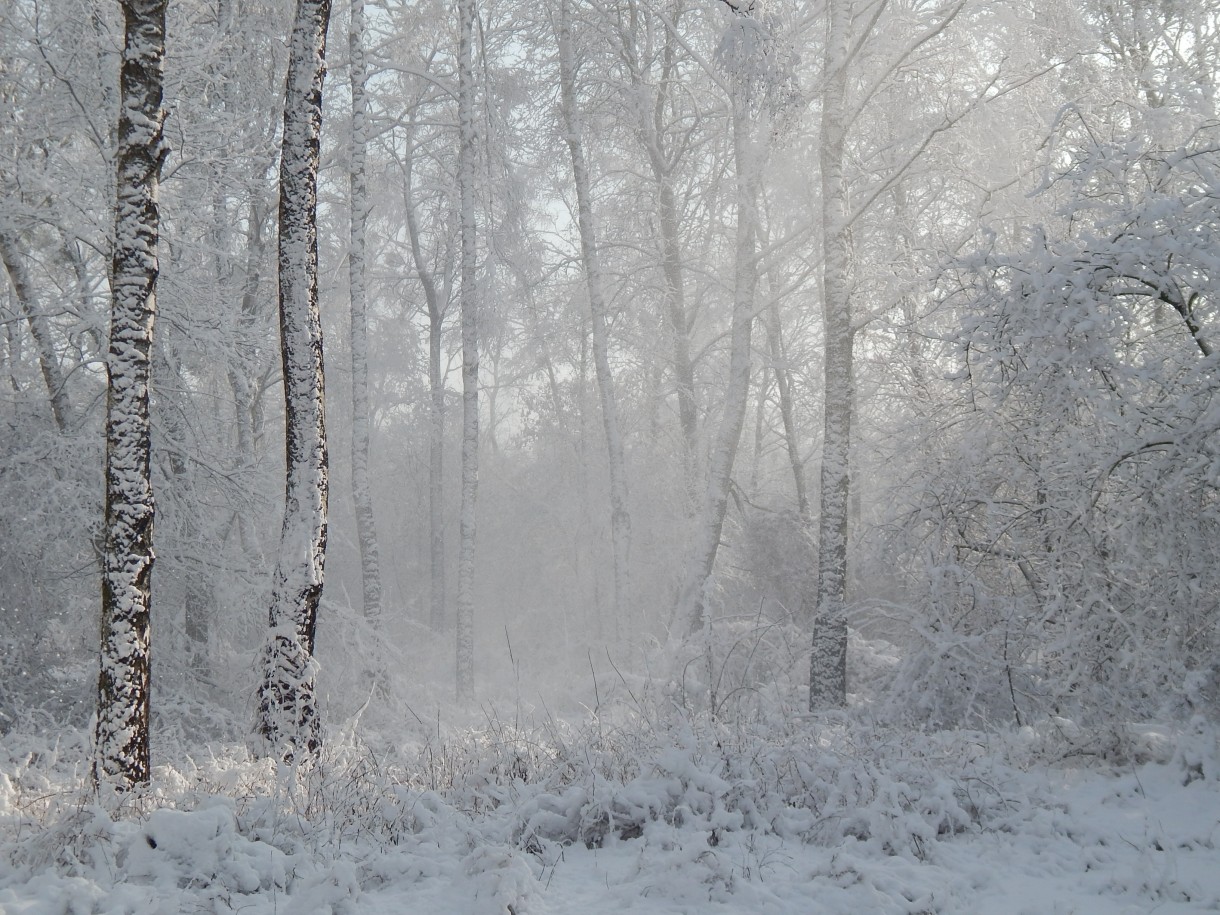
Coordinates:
(632, 809)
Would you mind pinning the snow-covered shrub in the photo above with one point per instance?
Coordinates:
(633, 770)
(1055, 533)
(740, 665)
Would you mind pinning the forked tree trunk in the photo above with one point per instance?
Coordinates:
(470, 353)
(652, 131)
(287, 704)
(122, 752)
(620, 518)
(366, 528)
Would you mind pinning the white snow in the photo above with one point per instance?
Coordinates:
(673, 818)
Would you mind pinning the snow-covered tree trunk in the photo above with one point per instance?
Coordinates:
(40, 330)
(828, 662)
(620, 518)
(470, 352)
(121, 737)
(366, 528)
(287, 704)
(692, 600)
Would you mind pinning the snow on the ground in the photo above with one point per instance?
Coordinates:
(1063, 837)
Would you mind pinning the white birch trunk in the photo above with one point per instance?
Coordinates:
(366, 528)
(692, 600)
(620, 518)
(287, 704)
(470, 353)
(121, 738)
(828, 661)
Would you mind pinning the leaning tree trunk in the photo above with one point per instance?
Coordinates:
(40, 330)
(828, 661)
(287, 704)
(692, 601)
(122, 752)
(470, 355)
(620, 518)
(366, 529)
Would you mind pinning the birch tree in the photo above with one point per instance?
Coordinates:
(915, 35)
(40, 330)
(436, 299)
(366, 528)
(121, 735)
(467, 12)
(287, 704)
(741, 55)
(620, 518)
(828, 661)
(664, 152)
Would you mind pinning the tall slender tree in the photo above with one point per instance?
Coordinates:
(828, 662)
(436, 298)
(741, 57)
(366, 528)
(287, 703)
(470, 351)
(665, 151)
(122, 748)
(620, 517)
